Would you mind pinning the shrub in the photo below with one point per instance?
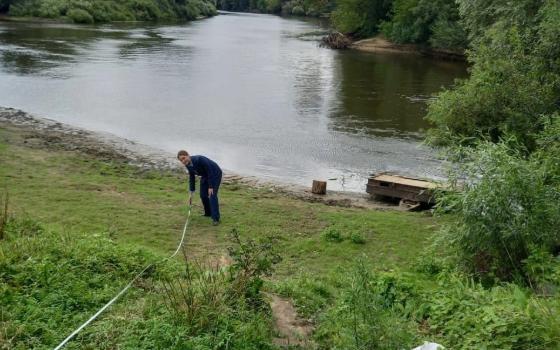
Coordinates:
(447, 34)
(398, 311)
(298, 11)
(357, 238)
(80, 16)
(332, 234)
(425, 21)
(506, 204)
(467, 316)
(364, 315)
(252, 261)
(513, 87)
(360, 17)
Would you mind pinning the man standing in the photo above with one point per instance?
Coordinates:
(210, 179)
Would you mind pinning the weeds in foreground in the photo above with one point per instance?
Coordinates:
(210, 298)
(3, 214)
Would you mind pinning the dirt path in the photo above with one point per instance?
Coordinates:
(292, 330)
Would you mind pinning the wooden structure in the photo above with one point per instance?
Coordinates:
(404, 188)
(319, 187)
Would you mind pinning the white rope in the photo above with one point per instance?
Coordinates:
(63, 343)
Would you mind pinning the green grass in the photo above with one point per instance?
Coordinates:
(349, 270)
(72, 192)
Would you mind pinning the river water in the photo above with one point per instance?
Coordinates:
(254, 92)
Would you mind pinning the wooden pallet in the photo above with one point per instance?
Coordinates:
(404, 188)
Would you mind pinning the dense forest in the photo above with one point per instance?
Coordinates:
(424, 22)
(109, 10)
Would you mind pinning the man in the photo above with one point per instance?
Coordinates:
(210, 179)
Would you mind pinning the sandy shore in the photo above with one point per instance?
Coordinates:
(379, 44)
(47, 133)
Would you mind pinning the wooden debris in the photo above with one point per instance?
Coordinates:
(319, 187)
(336, 40)
(404, 188)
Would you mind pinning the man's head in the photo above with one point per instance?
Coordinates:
(184, 157)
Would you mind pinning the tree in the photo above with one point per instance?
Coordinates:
(360, 18)
(515, 76)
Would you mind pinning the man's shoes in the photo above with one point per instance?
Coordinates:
(215, 223)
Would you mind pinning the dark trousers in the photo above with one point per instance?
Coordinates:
(211, 206)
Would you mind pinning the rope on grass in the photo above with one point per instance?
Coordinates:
(100, 311)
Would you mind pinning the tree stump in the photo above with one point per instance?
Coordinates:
(319, 187)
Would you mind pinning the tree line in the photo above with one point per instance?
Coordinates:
(102, 11)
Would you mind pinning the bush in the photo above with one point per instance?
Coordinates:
(332, 234)
(298, 11)
(364, 315)
(513, 87)
(360, 17)
(505, 205)
(80, 16)
(357, 238)
(467, 316)
(398, 311)
(447, 34)
(425, 21)
(252, 261)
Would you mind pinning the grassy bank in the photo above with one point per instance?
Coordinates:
(88, 223)
(81, 225)
(71, 191)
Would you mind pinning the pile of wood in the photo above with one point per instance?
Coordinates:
(336, 40)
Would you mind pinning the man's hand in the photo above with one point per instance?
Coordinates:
(210, 192)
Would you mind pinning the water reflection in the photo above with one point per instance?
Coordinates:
(40, 49)
(254, 92)
(385, 94)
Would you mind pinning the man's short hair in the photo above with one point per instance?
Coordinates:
(182, 153)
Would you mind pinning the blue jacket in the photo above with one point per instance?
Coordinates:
(205, 168)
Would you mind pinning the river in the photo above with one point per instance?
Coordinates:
(254, 92)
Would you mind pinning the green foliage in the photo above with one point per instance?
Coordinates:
(448, 34)
(398, 311)
(332, 234)
(505, 205)
(366, 315)
(110, 10)
(480, 15)
(50, 283)
(360, 18)
(298, 11)
(357, 238)
(309, 293)
(80, 16)
(251, 262)
(4, 214)
(514, 85)
(425, 21)
(466, 316)
(313, 8)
